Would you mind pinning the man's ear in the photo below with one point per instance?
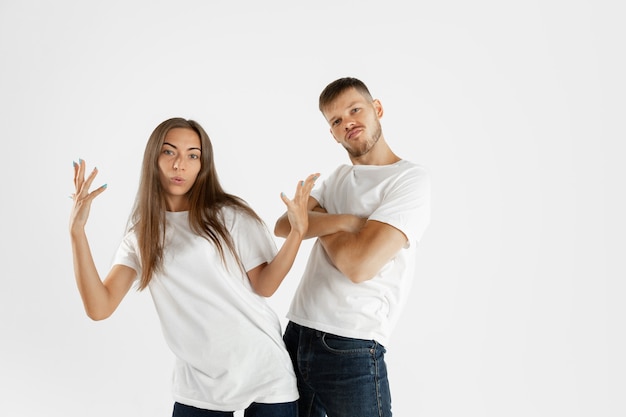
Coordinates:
(378, 107)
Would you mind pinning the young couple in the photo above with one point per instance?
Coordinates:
(210, 261)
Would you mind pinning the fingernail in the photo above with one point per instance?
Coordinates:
(104, 185)
(74, 163)
(301, 182)
(283, 194)
(80, 161)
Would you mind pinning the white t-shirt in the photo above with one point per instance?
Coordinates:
(226, 339)
(326, 300)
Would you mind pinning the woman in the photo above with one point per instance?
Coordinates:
(209, 261)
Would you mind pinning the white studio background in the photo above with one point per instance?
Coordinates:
(516, 108)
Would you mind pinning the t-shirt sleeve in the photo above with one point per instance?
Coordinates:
(321, 189)
(255, 245)
(317, 193)
(127, 253)
(406, 206)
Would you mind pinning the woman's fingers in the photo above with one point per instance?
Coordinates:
(303, 190)
(84, 189)
(82, 185)
(76, 172)
(79, 176)
(304, 187)
(82, 197)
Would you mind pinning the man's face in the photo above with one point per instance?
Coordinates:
(354, 122)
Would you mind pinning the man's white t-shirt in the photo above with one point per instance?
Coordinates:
(326, 300)
(226, 339)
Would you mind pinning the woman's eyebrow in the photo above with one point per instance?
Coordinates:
(190, 149)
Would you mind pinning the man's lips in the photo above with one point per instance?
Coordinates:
(354, 132)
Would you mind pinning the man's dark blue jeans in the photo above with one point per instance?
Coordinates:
(338, 376)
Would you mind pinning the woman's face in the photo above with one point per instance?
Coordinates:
(179, 164)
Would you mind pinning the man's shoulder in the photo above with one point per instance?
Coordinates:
(408, 164)
(342, 169)
(339, 171)
(413, 170)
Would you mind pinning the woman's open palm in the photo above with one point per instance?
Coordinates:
(297, 210)
(82, 197)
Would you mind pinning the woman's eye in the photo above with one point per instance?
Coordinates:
(194, 156)
(168, 152)
(355, 110)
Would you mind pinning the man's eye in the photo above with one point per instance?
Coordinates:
(336, 122)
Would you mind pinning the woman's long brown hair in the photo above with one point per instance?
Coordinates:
(206, 199)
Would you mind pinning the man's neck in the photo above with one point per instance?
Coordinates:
(381, 154)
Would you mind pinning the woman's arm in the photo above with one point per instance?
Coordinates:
(266, 278)
(100, 299)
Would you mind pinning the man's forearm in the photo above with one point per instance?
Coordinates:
(345, 252)
(321, 224)
(362, 254)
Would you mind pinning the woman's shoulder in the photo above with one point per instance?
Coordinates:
(234, 215)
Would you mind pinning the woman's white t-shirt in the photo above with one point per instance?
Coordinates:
(226, 338)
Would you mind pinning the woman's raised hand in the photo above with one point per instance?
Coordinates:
(82, 197)
(297, 209)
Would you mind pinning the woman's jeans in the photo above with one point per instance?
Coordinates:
(338, 376)
(254, 410)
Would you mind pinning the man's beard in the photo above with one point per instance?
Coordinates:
(368, 145)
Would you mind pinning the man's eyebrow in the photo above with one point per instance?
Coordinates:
(353, 104)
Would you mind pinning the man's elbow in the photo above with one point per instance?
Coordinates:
(278, 231)
(282, 228)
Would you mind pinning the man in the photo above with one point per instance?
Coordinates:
(368, 218)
